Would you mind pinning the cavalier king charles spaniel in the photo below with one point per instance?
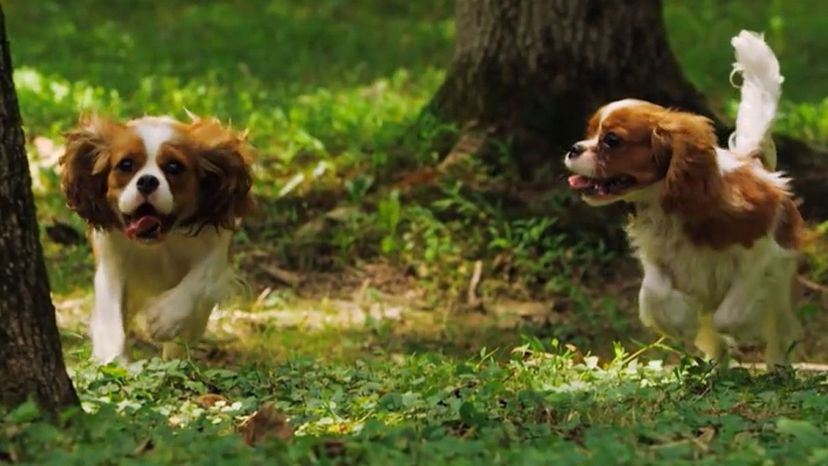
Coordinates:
(163, 199)
(716, 230)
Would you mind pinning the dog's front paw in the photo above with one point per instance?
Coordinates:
(105, 351)
(166, 317)
(673, 313)
(108, 341)
(740, 313)
(736, 319)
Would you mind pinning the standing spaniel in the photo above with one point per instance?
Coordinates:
(716, 230)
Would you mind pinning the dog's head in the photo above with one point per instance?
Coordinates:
(153, 174)
(637, 150)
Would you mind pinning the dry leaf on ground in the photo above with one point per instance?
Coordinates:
(209, 400)
(266, 423)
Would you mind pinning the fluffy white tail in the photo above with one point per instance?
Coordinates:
(761, 87)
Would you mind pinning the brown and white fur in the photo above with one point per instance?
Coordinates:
(716, 230)
(162, 199)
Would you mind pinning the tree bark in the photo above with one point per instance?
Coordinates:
(536, 69)
(532, 71)
(31, 361)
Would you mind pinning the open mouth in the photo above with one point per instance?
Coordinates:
(612, 186)
(144, 223)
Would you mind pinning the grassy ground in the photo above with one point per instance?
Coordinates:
(358, 325)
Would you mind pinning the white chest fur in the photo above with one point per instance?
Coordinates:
(148, 270)
(701, 272)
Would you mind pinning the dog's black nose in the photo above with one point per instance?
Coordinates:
(147, 184)
(576, 150)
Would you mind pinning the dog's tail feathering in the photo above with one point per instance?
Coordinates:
(761, 87)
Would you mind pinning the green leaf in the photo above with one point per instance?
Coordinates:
(809, 311)
(803, 431)
(114, 371)
(470, 415)
(26, 412)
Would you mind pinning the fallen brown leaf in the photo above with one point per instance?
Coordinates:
(331, 448)
(424, 177)
(705, 436)
(266, 423)
(577, 355)
(209, 400)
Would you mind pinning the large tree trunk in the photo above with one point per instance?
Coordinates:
(537, 68)
(532, 71)
(31, 362)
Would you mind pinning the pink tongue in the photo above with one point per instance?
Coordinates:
(578, 182)
(142, 225)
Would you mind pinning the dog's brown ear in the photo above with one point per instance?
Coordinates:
(224, 159)
(693, 184)
(84, 171)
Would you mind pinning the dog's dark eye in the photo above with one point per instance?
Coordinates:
(611, 140)
(125, 165)
(173, 168)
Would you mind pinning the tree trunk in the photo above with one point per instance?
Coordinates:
(532, 71)
(31, 362)
(536, 69)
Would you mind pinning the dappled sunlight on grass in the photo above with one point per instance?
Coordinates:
(279, 43)
(319, 123)
(349, 328)
(541, 404)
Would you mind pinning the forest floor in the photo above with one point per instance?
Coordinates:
(437, 325)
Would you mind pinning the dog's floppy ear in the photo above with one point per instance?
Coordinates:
(224, 160)
(84, 171)
(693, 184)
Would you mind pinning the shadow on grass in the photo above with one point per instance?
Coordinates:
(267, 337)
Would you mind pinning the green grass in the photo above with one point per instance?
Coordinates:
(549, 405)
(376, 357)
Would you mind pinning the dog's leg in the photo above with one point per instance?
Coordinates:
(108, 321)
(666, 309)
(737, 313)
(780, 327)
(180, 310)
(711, 343)
(192, 330)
